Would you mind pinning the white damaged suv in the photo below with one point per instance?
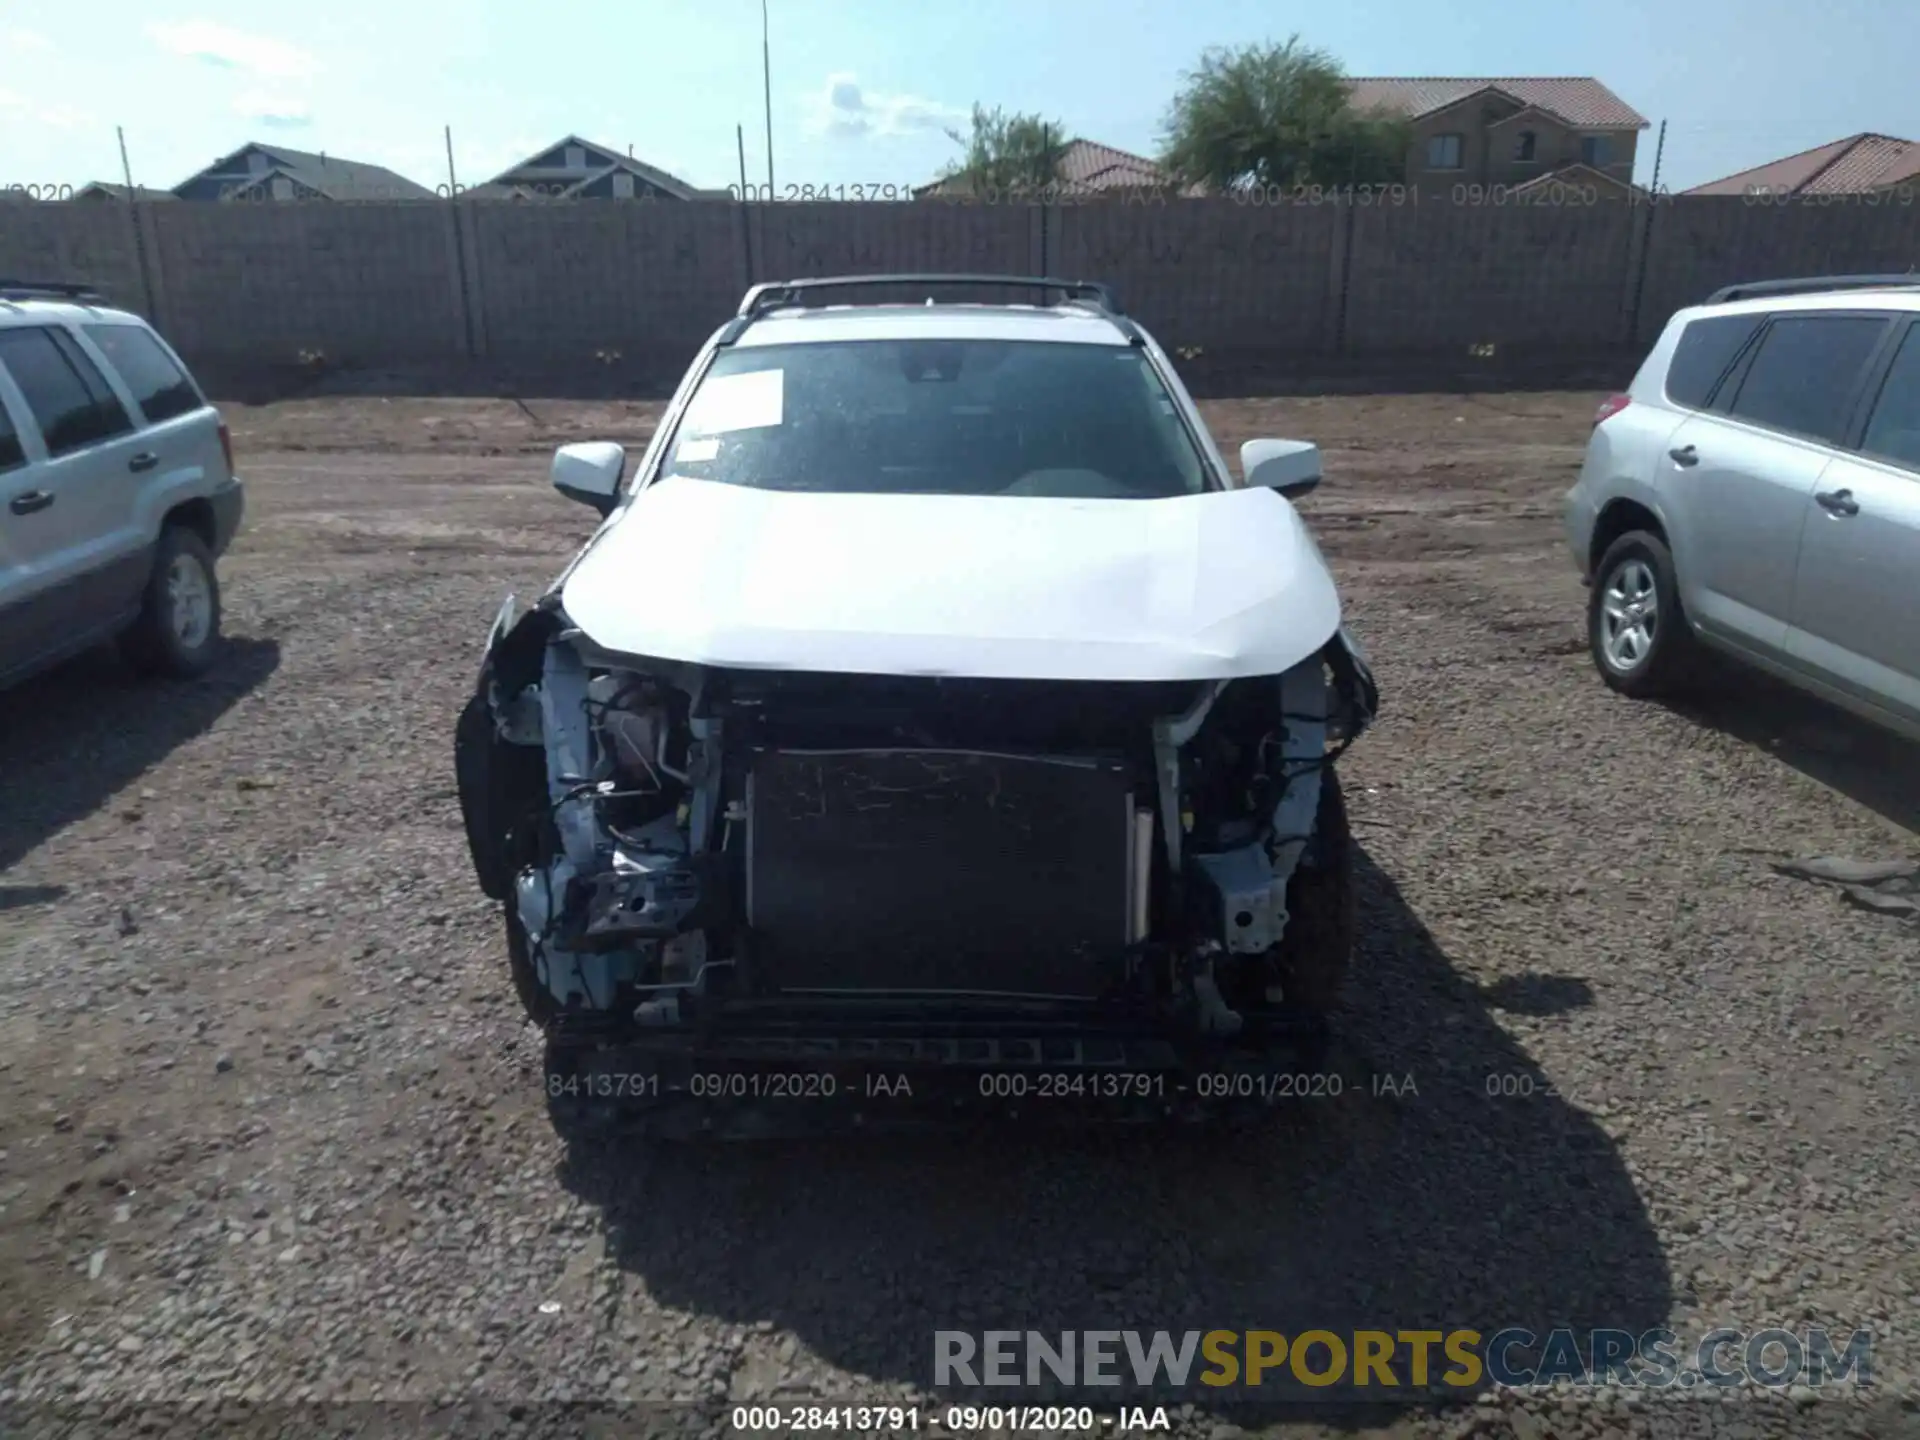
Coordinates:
(933, 707)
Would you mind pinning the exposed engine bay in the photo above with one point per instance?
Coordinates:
(681, 846)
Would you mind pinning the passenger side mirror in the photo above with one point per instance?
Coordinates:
(590, 473)
(1290, 466)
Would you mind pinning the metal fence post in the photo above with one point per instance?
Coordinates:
(1646, 239)
(1345, 244)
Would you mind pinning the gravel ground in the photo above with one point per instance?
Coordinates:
(270, 1123)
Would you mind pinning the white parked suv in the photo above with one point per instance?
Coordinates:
(117, 491)
(1757, 489)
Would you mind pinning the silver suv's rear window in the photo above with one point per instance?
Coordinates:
(1706, 349)
(941, 417)
(161, 387)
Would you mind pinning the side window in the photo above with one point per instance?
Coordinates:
(160, 387)
(70, 401)
(1893, 432)
(1706, 349)
(12, 455)
(110, 414)
(1804, 374)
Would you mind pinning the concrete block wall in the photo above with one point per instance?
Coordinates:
(408, 282)
(1209, 273)
(558, 283)
(1423, 277)
(1703, 242)
(74, 241)
(792, 242)
(365, 284)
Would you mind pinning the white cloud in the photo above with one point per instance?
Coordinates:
(19, 39)
(276, 112)
(65, 117)
(842, 108)
(9, 100)
(232, 49)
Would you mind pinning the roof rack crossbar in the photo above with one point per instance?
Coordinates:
(11, 289)
(1811, 285)
(773, 293)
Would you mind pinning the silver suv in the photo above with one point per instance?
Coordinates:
(116, 478)
(1757, 489)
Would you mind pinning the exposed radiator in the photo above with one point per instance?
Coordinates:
(928, 870)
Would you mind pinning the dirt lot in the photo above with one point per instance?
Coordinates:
(270, 1123)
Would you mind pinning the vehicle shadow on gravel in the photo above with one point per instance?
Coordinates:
(81, 733)
(1449, 1207)
(1867, 764)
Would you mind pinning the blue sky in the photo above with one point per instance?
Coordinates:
(862, 89)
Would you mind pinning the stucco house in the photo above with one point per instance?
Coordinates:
(1507, 132)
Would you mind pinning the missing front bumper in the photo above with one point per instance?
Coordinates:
(802, 1069)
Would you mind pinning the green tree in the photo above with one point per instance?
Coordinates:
(1006, 154)
(1277, 115)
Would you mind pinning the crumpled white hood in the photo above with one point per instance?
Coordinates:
(1212, 586)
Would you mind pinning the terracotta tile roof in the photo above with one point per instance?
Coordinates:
(1575, 174)
(1841, 167)
(1577, 99)
(1085, 167)
(1872, 160)
(1101, 167)
(1903, 172)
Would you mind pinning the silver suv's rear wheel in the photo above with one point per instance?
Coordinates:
(178, 630)
(1638, 636)
(1629, 614)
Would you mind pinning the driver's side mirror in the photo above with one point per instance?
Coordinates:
(1290, 466)
(590, 473)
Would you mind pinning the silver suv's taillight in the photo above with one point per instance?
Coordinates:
(1610, 407)
(226, 445)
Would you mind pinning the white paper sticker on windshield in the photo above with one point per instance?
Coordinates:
(691, 452)
(736, 402)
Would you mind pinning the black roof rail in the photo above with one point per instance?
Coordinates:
(774, 293)
(47, 290)
(1812, 285)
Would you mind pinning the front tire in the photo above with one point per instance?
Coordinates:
(177, 632)
(1637, 632)
(535, 999)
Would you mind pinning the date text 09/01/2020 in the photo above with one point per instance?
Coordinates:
(762, 1085)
